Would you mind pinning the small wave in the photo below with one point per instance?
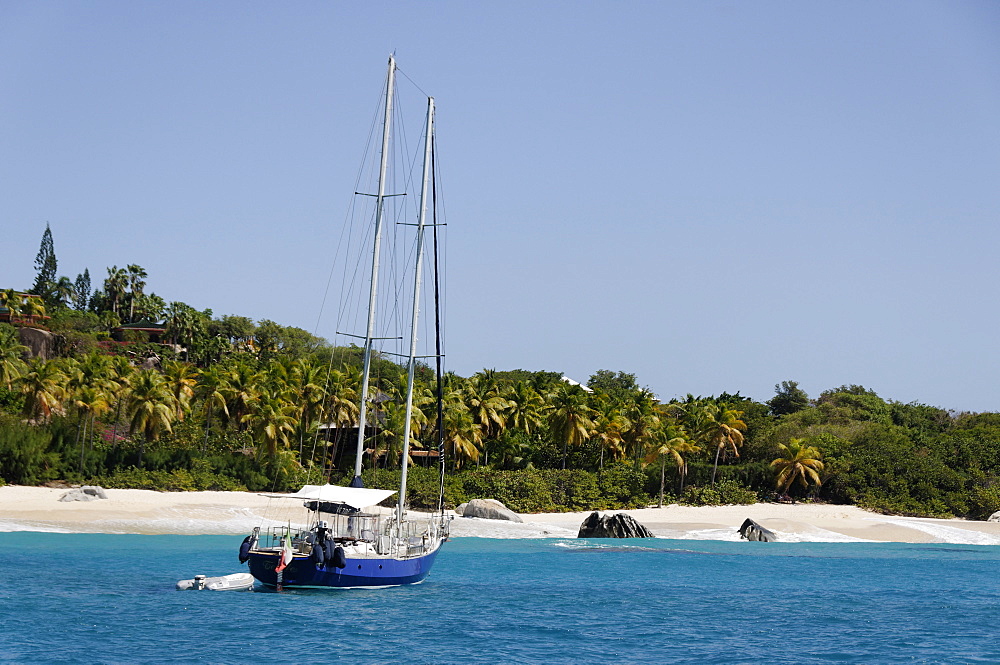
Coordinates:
(469, 527)
(946, 534)
(730, 534)
(590, 545)
(31, 526)
(817, 535)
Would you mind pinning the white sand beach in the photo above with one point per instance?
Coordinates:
(234, 513)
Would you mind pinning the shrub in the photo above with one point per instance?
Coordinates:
(984, 501)
(422, 485)
(25, 458)
(623, 486)
(724, 493)
(178, 480)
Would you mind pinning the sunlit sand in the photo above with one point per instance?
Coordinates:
(150, 512)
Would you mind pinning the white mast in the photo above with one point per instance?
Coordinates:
(421, 225)
(373, 292)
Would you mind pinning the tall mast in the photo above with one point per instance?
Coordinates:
(421, 224)
(373, 292)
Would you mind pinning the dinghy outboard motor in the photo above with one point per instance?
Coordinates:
(245, 548)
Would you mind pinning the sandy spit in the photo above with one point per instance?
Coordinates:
(149, 512)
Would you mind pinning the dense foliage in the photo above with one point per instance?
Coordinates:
(229, 403)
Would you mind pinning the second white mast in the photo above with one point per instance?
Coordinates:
(421, 225)
(373, 291)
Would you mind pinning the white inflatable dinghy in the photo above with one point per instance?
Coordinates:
(234, 582)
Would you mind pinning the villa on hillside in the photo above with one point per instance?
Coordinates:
(155, 331)
(28, 309)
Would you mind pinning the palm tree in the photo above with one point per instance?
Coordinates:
(185, 326)
(801, 462)
(115, 286)
(643, 416)
(390, 435)
(148, 306)
(181, 378)
(307, 381)
(150, 407)
(87, 386)
(271, 419)
(610, 425)
(64, 290)
(486, 404)
(136, 281)
(11, 355)
(462, 434)
(90, 401)
(120, 377)
(723, 430)
(670, 441)
(525, 407)
(241, 389)
(343, 410)
(570, 417)
(13, 301)
(34, 308)
(42, 387)
(210, 389)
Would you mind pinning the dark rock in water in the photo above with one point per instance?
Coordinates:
(619, 525)
(753, 531)
(490, 509)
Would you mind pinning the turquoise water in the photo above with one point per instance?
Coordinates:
(71, 598)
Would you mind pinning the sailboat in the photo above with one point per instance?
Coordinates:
(345, 543)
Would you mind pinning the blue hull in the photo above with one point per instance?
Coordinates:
(302, 572)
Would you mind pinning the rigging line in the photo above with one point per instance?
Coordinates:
(415, 85)
(347, 232)
(437, 329)
(352, 207)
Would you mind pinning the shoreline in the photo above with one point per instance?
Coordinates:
(236, 513)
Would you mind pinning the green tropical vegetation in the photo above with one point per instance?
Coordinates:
(230, 403)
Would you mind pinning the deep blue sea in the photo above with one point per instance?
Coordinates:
(95, 598)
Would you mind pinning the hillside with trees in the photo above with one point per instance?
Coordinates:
(128, 390)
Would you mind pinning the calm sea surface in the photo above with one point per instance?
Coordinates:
(87, 598)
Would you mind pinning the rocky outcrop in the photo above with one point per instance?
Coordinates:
(40, 343)
(753, 531)
(995, 517)
(85, 493)
(619, 525)
(489, 509)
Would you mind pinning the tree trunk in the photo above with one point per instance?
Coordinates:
(716, 465)
(663, 477)
(79, 426)
(208, 424)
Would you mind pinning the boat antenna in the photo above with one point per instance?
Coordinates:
(373, 290)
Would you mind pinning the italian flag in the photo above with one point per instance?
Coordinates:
(285, 557)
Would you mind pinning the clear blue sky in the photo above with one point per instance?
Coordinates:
(715, 196)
